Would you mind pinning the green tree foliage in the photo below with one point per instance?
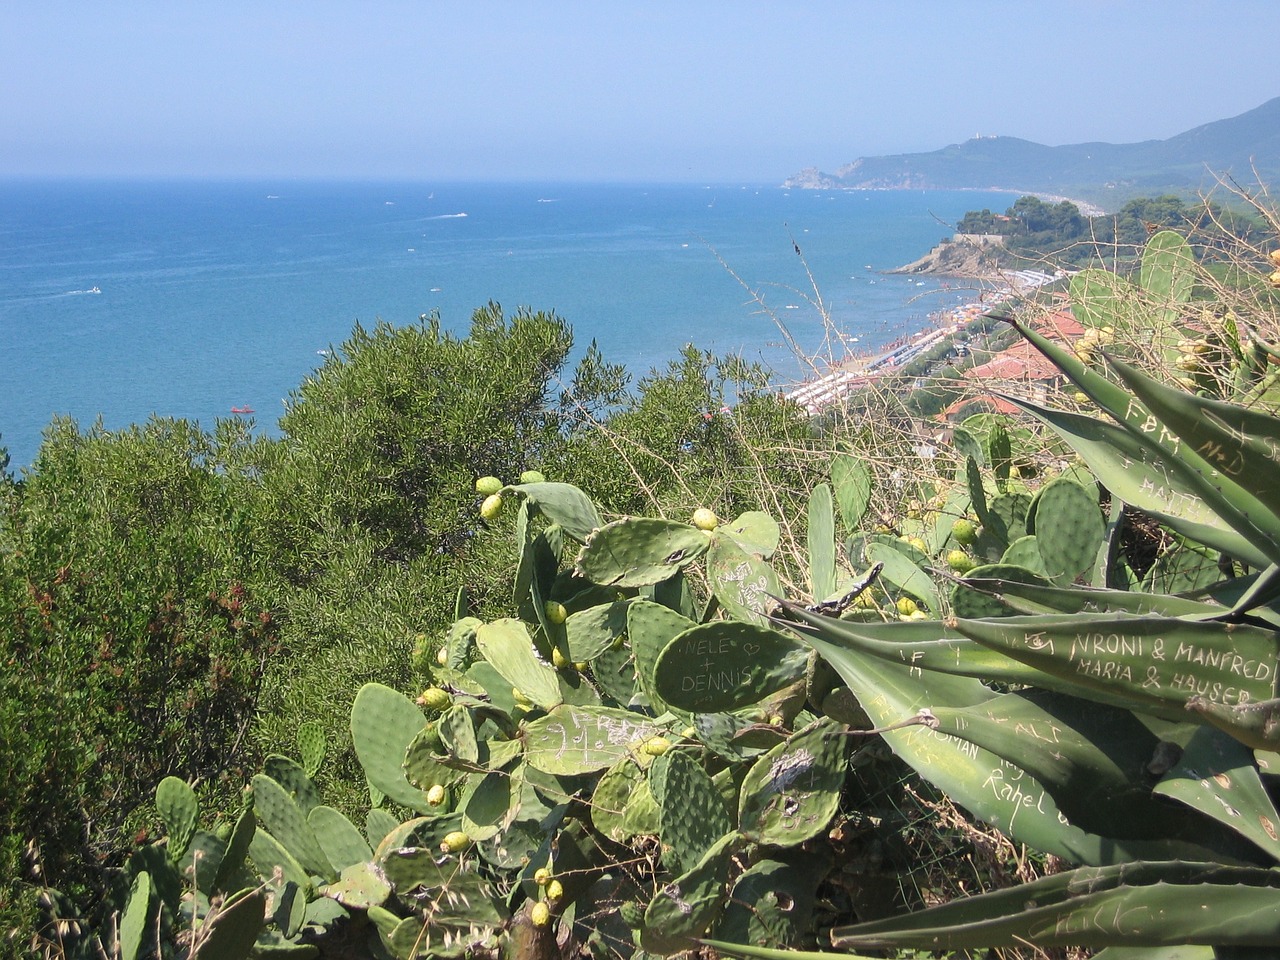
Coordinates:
(130, 643)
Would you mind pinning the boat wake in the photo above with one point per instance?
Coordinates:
(77, 293)
(445, 216)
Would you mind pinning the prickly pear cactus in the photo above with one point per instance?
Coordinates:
(691, 811)
(792, 792)
(639, 552)
(726, 665)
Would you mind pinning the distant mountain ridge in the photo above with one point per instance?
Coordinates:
(1106, 173)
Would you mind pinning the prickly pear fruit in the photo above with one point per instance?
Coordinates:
(442, 657)
(960, 562)
(488, 486)
(540, 914)
(906, 606)
(964, 531)
(554, 891)
(491, 506)
(433, 698)
(555, 611)
(435, 796)
(656, 746)
(559, 660)
(455, 842)
(532, 476)
(705, 519)
(542, 876)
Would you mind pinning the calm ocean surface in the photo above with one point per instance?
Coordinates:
(127, 299)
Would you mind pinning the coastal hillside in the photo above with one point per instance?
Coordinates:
(1105, 173)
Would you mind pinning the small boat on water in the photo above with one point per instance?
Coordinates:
(242, 410)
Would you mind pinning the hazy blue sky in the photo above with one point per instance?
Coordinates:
(680, 90)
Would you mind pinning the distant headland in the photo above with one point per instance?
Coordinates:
(1105, 175)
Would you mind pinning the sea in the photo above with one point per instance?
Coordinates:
(123, 300)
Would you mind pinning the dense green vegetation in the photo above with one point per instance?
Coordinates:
(178, 603)
(636, 723)
(1038, 233)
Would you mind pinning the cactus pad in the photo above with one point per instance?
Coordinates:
(741, 582)
(792, 792)
(360, 886)
(1069, 529)
(564, 504)
(341, 842)
(571, 739)
(683, 909)
(178, 808)
(638, 551)
(691, 811)
(724, 665)
(288, 824)
(383, 724)
(754, 532)
(508, 647)
(591, 631)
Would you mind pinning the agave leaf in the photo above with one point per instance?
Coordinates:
(1152, 660)
(1240, 443)
(1138, 904)
(1216, 775)
(1235, 506)
(1033, 598)
(987, 785)
(1093, 759)
(1150, 478)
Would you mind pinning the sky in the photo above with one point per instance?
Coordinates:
(656, 90)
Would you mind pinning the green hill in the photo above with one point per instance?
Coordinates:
(1105, 173)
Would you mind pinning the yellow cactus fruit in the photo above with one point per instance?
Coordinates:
(655, 746)
(964, 531)
(532, 476)
(433, 698)
(918, 543)
(1080, 397)
(435, 796)
(555, 611)
(554, 890)
(580, 666)
(542, 876)
(442, 657)
(705, 519)
(540, 914)
(959, 561)
(907, 606)
(487, 486)
(518, 696)
(455, 842)
(559, 660)
(491, 507)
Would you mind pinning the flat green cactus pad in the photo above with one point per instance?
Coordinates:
(792, 792)
(639, 551)
(725, 665)
(571, 739)
(508, 647)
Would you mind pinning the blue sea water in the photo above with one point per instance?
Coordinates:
(125, 299)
